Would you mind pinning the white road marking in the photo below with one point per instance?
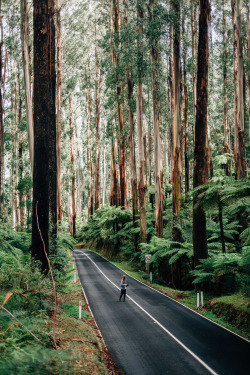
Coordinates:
(158, 323)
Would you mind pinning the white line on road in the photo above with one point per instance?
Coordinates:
(158, 323)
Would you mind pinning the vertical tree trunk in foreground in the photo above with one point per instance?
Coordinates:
(73, 177)
(227, 166)
(239, 93)
(121, 121)
(27, 77)
(139, 106)
(42, 119)
(52, 131)
(200, 148)
(155, 56)
(186, 130)
(58, 108)
(97, 123)
(177, 152)
(130, 85)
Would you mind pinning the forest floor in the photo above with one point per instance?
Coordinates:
(80, 348)
(231, 312)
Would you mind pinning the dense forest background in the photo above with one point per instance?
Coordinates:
(135, 139)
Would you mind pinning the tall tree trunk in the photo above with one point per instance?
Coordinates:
(89, 154)
(42, 122)
(227, 167)
(1, 112)
(114, 195)
(121, 121)
(58, 108)
(140, 129)
(194, 54)
(177, 152)
(155, 56)
(52, 131)
(73, 177)
(97, 123)
(130, 85)
(200, 148)
(186, 130)
(25, 35)
(20, 156)
(239, 93)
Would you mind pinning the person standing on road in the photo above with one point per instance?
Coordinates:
(123, 288)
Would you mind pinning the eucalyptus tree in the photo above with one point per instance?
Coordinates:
(239, 93)
(44, 125)
(200, 150)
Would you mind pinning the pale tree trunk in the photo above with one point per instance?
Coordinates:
(177, 152)
(27, 77)
(186, 127)
(200, 147)
(73, 178)
(140, 128)
(121, 121)
(170, 84)
(177, 128)
(239, 93)
(155, 56)
(58, 109)
(210, 156)
(97, 123)
(194, 4)
(227, 167)
(89, 154)
(20, 156)
(104, 181)
(130, 88)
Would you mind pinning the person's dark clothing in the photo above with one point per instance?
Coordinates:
(123, 293)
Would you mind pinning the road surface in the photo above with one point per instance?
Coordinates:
(151, 334)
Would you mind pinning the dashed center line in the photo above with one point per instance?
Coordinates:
(156, 321)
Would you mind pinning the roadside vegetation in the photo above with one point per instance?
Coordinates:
(28, 342)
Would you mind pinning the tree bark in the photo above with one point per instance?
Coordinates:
(25, 34)
(140, 129)
(42, 121)
(20, 156)
(155, 56)
(97, 123)
(200, 149)
(186, 125)
(121, 121)
(194, 54)
(52, 130)
(239, 93)
(73, 177)
(227, 167)
(58, 109)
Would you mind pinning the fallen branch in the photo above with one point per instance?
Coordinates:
(32, 334)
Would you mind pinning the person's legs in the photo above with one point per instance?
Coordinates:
(122, 291)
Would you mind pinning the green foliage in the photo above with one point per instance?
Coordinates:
(224, 273)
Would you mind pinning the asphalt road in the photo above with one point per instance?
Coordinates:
(151, 334)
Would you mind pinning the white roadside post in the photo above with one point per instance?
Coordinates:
(202, 299)
(198, 300)
(80, 310)
(151, 277)
(74, 277)
(147, 259)
(73, 265)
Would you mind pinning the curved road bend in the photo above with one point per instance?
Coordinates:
(151, 334)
